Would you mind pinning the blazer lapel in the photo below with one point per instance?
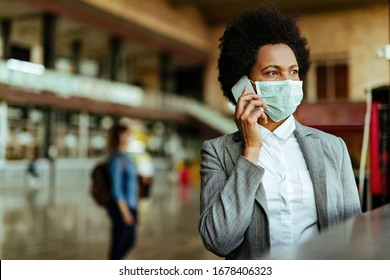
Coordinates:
(314, 156)
(234, 150)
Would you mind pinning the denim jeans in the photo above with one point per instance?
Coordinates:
(123, 237)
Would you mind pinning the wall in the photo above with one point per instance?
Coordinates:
(183, 25)
(213, 95)
(354, 34)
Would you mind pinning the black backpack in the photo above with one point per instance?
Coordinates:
(100, 185)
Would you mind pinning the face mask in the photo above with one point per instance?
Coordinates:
(282, 97)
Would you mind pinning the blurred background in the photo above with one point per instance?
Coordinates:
(70, 68)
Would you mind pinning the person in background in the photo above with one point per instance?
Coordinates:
(122, 207)
(32, 178)
(185, 181)
(274, 183)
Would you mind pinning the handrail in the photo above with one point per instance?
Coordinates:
(35, 78)
(23, 75)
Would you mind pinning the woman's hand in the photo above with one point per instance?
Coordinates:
(127, 217)
(250, 112)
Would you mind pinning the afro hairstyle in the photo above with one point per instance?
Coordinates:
(246, 34)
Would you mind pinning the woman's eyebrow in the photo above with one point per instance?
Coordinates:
(270, 66)
(278, 66)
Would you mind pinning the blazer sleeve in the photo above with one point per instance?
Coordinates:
(227, 199)
(352, 205)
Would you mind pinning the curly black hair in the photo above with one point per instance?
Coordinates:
(246, 34)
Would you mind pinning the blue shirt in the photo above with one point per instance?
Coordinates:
(123, 179)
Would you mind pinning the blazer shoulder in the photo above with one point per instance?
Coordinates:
(307, 130)
(328, 140)
(222, 140)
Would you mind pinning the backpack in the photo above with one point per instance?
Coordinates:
(100, 185)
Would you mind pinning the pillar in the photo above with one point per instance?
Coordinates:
(76, 46)
(166, 75)
(5, 35)
(83, 134)
(49, 24)
(3, 130)
(48, 43)
(115, 47)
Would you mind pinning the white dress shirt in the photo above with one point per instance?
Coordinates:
(288, 187)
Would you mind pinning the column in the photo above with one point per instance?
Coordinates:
(49, 130)
(48, 42)
(76, 46)
(115, 47)
(130, 71)
(5, 35)
(49, 24)
(3, 130)
(50, 152)
(83, 134)
(166, 76)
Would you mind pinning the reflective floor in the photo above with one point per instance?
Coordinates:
(65, 224)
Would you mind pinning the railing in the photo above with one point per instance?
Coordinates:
(35, 78)
(209, 116)
(174, 103)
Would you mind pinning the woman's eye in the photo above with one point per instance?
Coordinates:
(272, 73)
(294, 72)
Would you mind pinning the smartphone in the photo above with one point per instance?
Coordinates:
(238, 88)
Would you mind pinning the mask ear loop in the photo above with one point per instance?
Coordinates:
(255, 87)
(257, 90)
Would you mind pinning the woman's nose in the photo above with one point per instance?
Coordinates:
(284, 76)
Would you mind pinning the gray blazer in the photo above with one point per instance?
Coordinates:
(233, 208)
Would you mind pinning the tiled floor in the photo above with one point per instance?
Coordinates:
(74, 228)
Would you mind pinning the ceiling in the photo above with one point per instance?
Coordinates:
(214, 12)
(220, 11)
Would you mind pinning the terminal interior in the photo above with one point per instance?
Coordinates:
(69, 69)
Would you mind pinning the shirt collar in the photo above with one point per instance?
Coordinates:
(283, 131)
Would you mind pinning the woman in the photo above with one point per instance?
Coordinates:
(122, 207)
(275, 182)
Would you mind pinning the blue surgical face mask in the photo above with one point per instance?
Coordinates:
(282, 97)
